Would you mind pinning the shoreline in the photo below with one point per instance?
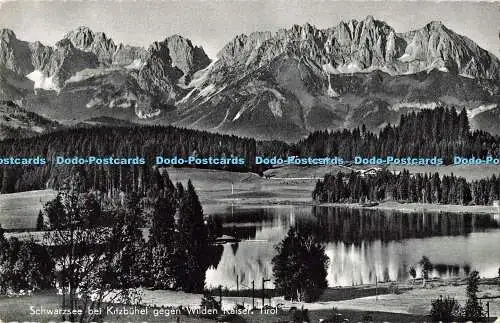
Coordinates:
(383, 206)
(420, 207)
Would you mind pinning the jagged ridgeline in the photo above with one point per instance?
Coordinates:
(278, 85)
(441, 132)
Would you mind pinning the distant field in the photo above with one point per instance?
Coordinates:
(223, 187)
(19, 210)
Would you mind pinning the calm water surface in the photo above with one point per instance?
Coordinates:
(363, 245)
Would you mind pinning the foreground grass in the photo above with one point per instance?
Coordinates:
(352, 316)
(18, 309)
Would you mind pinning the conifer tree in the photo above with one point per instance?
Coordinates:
(40, 224)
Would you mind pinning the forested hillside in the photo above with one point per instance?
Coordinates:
(405, 187)
(146, 142)
(440, 132)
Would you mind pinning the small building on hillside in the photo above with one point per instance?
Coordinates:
(369, 172)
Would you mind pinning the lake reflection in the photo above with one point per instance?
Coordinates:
(363, 245)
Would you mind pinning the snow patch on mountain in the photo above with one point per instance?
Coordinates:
(201, 76)
(331, 92)
(88, 73)
(480, 109)
(94, 102)
(223, 120)
(147, 115)
(466, 75)
(37, 129)
(136, 64)
(275, 107)
(42, 81)
(186, 97)
(276, 93)
(328, 68)
(352, 67)
(238, 115)
(406, 58)
(207, 90)
(413, 105)
(349, 68)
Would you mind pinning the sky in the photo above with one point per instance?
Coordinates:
(212, 23)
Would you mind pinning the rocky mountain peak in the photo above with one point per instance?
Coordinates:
(181, 54)
(7, 35)
(81, 37)
(436, 25)
(64, 44)
(293, 77)
(185, 56)
(98, 43)
(365, 45)
(369, 19)
(368, 24)
(14, 54)
(169, 63)
(159, 50)
(357, 44)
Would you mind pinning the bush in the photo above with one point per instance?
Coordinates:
(335, 317)
(413, 272)
(24, 265)
(394, 289)
(210, 303)
(299, 316)
(368, 317)
(448, 309)
(445, 309)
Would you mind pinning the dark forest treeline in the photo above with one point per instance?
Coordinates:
(424, 188)
(440, 132)
(145, 142)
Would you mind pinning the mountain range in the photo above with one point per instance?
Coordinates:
(265, 85)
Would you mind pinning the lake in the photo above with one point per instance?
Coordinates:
(364, 246)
